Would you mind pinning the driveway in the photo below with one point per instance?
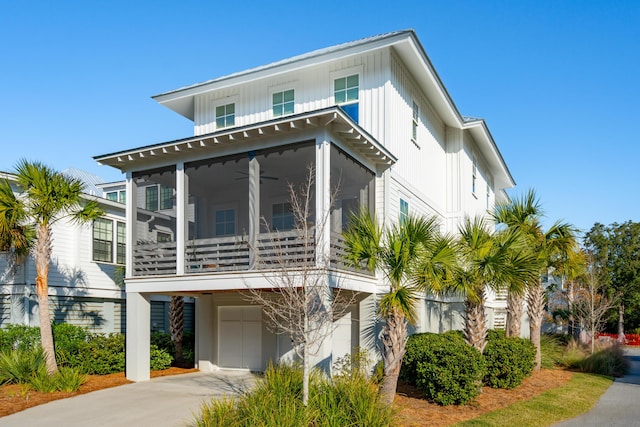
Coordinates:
(619, 405)
(162, 402)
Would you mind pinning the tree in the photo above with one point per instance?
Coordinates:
(616, 256)
(176, 324)
(521, 214)
(551, 248)
(415, 259)
(488, 259)
(300, 302)
(47, 196)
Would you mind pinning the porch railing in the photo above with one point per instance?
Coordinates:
(233, 253)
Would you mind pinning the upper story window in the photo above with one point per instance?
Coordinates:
(103, 238)
(404, 210)
(414, 123)
(474, 175)
(488, 195)
(282, 217)
(158, 199)
(119, 196)
(225, 222)
(346, 92)
(163, 237)
(225, 116)
(283, 103)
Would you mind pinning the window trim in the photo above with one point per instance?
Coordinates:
(335, 75)
(474, 174)
(283, 203)
(403, 216)
(118, 249)
(225, 103)
(415, 122)
(215, 220)
(282, 89)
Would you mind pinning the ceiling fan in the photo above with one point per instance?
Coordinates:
(245, 175)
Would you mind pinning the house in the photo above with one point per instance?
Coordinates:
(374, 119)
(83, 273)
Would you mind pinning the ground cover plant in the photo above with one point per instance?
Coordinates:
(348, 399)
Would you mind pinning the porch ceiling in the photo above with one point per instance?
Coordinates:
(333, 118)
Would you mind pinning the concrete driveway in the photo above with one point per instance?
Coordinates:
(619, 405)
(162, 402)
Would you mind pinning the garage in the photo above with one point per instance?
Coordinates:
(240, 337)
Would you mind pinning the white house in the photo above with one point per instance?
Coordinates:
(83, 274)
(371, 115)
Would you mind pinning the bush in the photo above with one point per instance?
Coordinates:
(444, 367)
(19, 337)
(66, 379)
(552, 348)
(101, 354)
(159, 359)
(68, 340)
(17, 366)
(509, 360)
(277, 401)
(163, 341)
(606, 361)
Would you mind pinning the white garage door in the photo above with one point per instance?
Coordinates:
(240, 337)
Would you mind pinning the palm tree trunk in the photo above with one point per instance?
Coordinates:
(176, 325)
(475, 326)
(514, 314)
(43, 256)
(394, 340)
(535, 310)
(571, 322)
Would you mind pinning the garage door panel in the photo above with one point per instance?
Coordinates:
(240, 337)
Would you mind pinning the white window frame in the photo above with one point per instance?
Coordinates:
(282, 89)
(235, 220)
(474, 175)
(359, 70)
(402, 215)
(284, 202)
(415, 122)
(114, 241)
(224, 102)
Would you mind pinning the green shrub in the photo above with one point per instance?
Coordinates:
(276, 400)
(41, 381)
(68, 339)
(606, 361)
(69, 379)
(444, 367)
(163, 341)
(159, 358)
(19, 337)
(552, 348)
(16, 366)
(509, 360)
(101, 354)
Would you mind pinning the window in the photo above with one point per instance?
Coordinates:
(163, 237)
(151, 200)
(414, 124)
(226, 222)
(166, 197)
(474, 173)
(283, 103)
(404, 210)
(225, 116)
(282, 217)
(346, 93)
(121, 239)
(117, 196)
(488, 195)
(103, 240)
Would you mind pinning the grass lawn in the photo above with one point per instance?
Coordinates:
(574, 398)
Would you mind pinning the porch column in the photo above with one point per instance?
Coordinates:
(131, 223)
(182, 192)
(254, 206)
(323, 200)
(204, 333)
(138, 336)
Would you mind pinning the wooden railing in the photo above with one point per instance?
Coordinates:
(234, 253)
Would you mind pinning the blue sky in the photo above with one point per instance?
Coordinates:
(556, 81)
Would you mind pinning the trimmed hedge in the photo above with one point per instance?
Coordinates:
(444, 367)
(509, 360)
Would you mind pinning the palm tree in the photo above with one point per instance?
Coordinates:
(176, 325)
(16, 236)
(487, 260)
(520, 214)
(551, 247)
(414, 258)
(47, 197)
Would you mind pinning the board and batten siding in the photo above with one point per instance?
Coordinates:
(313, 90)
(475, 204)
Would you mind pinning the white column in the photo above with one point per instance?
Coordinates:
(323, 200)
(131, 223)
(138, 336)
(454, 146)
(181, 215)
(204, 333)
(254, 207)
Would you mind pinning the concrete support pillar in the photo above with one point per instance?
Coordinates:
(131, 216)
(205, 336)
(182, 195)
(138, 336)
(323, 201)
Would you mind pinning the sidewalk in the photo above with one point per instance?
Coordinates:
(619, 405)
(162, 402)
